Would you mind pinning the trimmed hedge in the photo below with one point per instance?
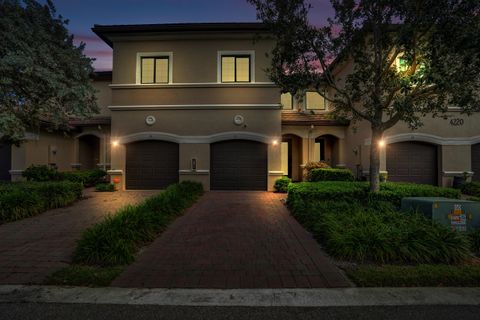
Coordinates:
(300, 193)
(381, 234)
(330, 174)
(105, 187)
(472, 189)
(281, 185)
(42, 173)
(309, 166)
(88, 178)
(25, 199)
(115, 240)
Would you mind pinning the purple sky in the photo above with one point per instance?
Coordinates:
(84, 14)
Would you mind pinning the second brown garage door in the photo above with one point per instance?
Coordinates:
(476, 161)
(238, 165)
(151, 165)
(412, 162)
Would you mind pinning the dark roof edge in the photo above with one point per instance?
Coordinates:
(102, 30)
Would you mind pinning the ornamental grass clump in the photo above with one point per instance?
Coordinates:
(115, 240)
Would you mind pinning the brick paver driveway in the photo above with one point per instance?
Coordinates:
(32, 248)
(234, 240)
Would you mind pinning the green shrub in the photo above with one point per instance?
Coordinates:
(394, 192)
(88, 178)
(309, 166)
(329, 174)
(41, 173)
(105, 187)
(281, 185)
(383, 235)
(115, 240)
(26, 199)
(472, 189)
(474, 238)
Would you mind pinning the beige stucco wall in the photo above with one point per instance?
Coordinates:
(194, 60)
(188, 96)
(40, 151)
(104, 96)
(184, 124)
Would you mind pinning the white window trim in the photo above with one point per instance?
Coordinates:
(251, 53)
(141, 55)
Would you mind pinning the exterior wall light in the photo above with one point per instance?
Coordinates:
(275, 142)
(381, 143)
(115, 143)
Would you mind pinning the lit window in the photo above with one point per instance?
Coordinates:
(314, 101)
(286, 99)
(402, 64)
(235, 68)
(155, 70)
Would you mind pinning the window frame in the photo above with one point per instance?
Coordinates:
(292, 101)
(243, 53)
(315, 109)
(235, 57)
(141, 55)
(155, 69)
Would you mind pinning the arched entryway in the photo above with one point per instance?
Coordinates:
(412, 161)
(88, 151)
(291, 150)
(238, 165)
(326, 148)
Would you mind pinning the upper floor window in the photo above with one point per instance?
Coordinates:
(286, 99)
(154, 70)
(314, 101)
(235, 66)
(154, 67)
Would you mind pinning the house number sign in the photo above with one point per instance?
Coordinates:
(457, 122)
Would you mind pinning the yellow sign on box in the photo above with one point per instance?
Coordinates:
(457, 209)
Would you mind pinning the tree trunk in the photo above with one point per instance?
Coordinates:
(375, 147)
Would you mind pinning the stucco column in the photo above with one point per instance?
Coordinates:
(274, 164)
(383, 158)
(117, 171)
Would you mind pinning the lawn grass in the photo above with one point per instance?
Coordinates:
(415, 276)
(88, 276)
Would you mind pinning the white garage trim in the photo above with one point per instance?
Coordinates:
(430, 138)
(170, 137)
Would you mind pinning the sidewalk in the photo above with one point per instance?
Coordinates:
(337, 297)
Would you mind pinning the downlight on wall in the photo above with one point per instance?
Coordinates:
(381, 143)
(115, 143)
(275, 142)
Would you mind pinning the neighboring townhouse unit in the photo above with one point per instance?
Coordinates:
(194, 102)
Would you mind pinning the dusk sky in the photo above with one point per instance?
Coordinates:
(83, 14)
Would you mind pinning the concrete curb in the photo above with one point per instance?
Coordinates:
(243, 297)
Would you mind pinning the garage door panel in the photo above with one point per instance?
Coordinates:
(151, 164)
(412, 162)
(238, 165)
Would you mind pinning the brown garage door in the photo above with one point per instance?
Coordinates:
(238, 165)
(5, 161)
(476, 161)
(151, 165)
(412, 162)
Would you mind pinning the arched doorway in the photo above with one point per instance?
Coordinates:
(89, 151)
(291, 150)
(326, 148)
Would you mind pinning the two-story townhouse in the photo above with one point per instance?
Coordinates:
(194, 102)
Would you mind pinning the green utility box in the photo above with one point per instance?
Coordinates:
(460, 215)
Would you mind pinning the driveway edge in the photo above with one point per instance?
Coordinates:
(340, 297)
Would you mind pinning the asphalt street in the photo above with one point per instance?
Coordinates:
(31, 311)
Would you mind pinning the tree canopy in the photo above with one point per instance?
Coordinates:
(412, 59)
(44, 76)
